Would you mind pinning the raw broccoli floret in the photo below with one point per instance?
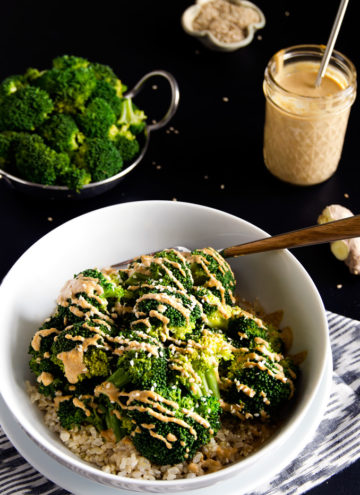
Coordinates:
(37, 162)
(132, 116)
(61, 133)
(97, 118)
(25, 109)
(69, 88)
(100, 158)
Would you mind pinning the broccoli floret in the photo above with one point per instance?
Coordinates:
(210, 270)
(195, 364)
(36, 162)
(69, 62)
(80, 411)
(5, 149)
(132, 116)
(127, 145)
(244, 330)
(11, 84)
(217, 314)
(141, 369)
(180, 433)
(61, 133)
(100, 158)
(69, 88)
(97, 118)
(260, 384)
(105, 73)
(108, 93)
(167, 310)
(25, 109)
(78, 343)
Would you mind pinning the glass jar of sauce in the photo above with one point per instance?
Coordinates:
(305, 126)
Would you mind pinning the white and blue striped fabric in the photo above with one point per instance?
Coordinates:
(335, 445)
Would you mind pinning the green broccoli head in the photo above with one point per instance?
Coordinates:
(25, 109)
(132, 116)
(5, 148)
(105, 73)
(100, 158)
(69, 62)
(167, 310)
(141, 369)
(61, 133)
(212, 271)
(260, 384)
(127, 145)
(177, 433)
(37, 162)
(81, 352)
(69, 88)
(78, 411)
(97, 119)
(11, 84)
(107, 92)
(217, 314)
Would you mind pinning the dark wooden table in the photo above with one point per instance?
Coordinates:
(211, 153)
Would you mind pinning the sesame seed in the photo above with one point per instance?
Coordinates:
(225, 99)
(346, 195)
(50, 219)
(222, 186)
(154, 86)
(339, 286)
(287, 13)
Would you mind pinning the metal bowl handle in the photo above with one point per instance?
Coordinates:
(175, 96)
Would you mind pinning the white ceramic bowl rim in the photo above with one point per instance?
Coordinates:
(82, 466)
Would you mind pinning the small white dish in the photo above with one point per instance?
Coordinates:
(254, 477)
(208, 39)
(277, 279)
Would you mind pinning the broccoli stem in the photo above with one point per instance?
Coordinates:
(119, 378)
(209, 384)
(114, 424)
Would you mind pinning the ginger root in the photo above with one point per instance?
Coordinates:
(347, 250)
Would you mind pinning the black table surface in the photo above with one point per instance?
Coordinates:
(211, 152)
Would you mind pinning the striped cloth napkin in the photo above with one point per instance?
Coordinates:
(335, 445)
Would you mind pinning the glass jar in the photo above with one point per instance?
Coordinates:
(305, 126)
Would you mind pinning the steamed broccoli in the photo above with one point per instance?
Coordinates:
(69, 88)
(37, 162)
(61, 133)
(179, 432)
(25, 109)
(97, 119)
(75, 411)
(260, 384)
(217, 314)
(132, 116)
(100, 158)
(74, 107)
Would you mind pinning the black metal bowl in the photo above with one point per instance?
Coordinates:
(96, 188)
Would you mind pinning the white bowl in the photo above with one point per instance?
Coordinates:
(115, 233)
(208, 39)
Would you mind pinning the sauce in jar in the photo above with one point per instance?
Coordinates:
(304, 125)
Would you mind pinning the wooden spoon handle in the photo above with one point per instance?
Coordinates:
(317, 234)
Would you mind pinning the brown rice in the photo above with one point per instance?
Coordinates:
(234, 441)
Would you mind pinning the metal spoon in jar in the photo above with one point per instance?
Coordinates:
(331, 42)
(346, 228)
